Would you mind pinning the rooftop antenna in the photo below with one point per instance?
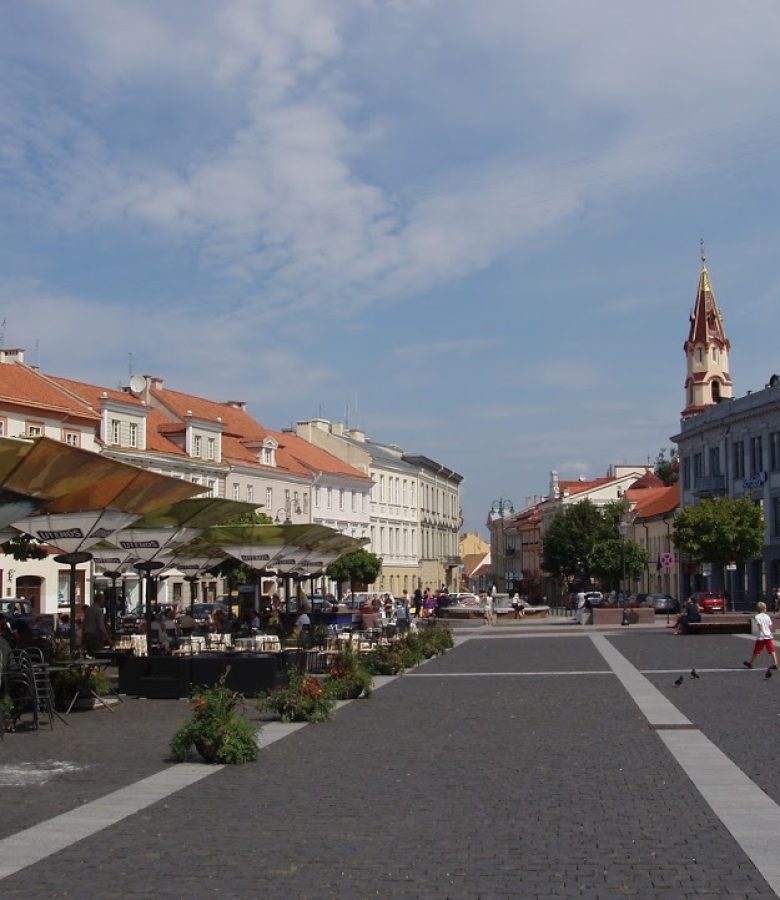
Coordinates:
(346, 414)
(2, 332)
(130, 364)
(37, 353)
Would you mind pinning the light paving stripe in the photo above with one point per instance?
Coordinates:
(751, 817)
(499, 674)
(657, 709)
(25, 848)
(28, 847)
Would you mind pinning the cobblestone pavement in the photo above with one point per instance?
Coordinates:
(485, 785)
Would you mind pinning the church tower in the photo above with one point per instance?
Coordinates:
(706, 351)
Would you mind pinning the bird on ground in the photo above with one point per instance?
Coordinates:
(695, 674)
(679, 681)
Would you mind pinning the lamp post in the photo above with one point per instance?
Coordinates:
(291, 506)
(145, 569)
(114, 575)
(72, 560)
(501, 510)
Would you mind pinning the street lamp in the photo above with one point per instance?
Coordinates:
(291, 506)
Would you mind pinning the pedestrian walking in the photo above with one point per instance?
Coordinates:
(490, 613)
(763, 629)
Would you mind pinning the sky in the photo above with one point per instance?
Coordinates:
(470, 229)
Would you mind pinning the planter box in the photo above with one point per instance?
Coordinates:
(642, 615)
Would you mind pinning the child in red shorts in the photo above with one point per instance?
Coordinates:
(763, 629)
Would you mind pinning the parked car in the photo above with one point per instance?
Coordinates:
(16, 610)
(663, 603)
(594, 598)
(709, 601)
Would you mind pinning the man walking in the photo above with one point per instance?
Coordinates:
(94, 634)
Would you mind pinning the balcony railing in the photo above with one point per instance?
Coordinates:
(709, 484)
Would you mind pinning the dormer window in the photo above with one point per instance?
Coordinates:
(197, 445)
(268, 453)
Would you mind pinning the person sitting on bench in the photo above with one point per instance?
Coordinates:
(689, 615)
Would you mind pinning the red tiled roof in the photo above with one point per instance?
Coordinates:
(314, 458)
(652, 502)
(471, 562)
(577, 487)
(237, 422)
(93, 393)
(24, 386)
(648, 480)
(156, 424)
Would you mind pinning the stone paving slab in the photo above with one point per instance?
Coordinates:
(436, 787)
(663, 650)
(102, 752)
(504, 654)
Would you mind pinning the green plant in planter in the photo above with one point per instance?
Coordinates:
(7, 712)
(216, 730)
(65, 684)
(349, 678)
(302, 700)
(384, 660)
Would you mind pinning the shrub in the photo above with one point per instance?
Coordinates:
(384, 660)
(349, 677)
(216, 730)
(303, 700)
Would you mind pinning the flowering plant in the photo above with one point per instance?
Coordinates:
(216, 730)
(303, 700)
(349, 677)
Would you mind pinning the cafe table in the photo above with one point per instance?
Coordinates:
(85, 667)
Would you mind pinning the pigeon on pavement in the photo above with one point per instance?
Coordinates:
(695, 674)
(679, 681)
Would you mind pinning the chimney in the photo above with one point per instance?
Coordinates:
(236, 404)
(15, 355)
(337, 428)
(357, 435)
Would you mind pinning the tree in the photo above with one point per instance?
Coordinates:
(720, 530)
(614, 557)
(667, 468)
(23, 547)
(569, 539)
(358, 567)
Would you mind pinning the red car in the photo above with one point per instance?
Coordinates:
(709, 601)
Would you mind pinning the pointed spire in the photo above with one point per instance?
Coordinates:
(706, 321)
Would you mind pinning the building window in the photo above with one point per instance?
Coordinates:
(715, 461)
(774, 450)
(756, 455)
(686, 472)
(354, 501)
(250, 493)
(330, 498)
(381, 488)
(3, 427)
(776, 516)
(268, 456)
(211, 448)
(698, 466)
(212, 486)
(341, 498)
(236, 491)
(739, 459)
(115, 431)
(197, 445)
(72, 438)
(133, 434)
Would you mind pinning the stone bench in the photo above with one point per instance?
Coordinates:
(716, 624)
(540, 612)
(640, 615)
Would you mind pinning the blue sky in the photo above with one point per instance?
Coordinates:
(476, 225)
